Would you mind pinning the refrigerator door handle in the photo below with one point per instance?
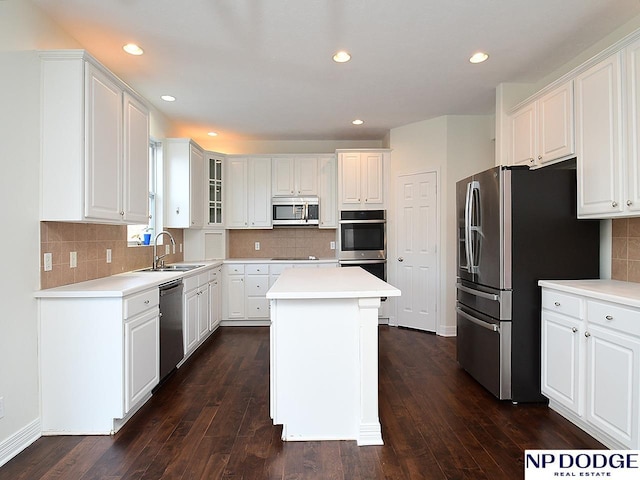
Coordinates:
(478, 293)
(467, 229)
(473, 214)
(489, 326)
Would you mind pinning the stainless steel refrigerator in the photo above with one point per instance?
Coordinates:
(515, 227)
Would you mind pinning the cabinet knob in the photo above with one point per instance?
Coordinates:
(629, 203)
(122, 213)
(609, 317)
(400, 259)
(539, 157)
(557, 304)
(531, 160)
(574, 329)
(614, 204)
(146, 302)
(587, 334)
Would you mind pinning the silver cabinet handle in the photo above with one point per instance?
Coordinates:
(531, 160)
(629, 203)
(614, 204)
(587, 334)
(539, 157)
(557, 304)
(609, 317)
(574, 329)
(400, 259)
(146, 302)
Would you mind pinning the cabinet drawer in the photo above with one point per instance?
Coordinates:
(140, 302)
(256, 269)
(214, 274)
(256, 285)
(562, 303)
(257, 307)
(611, 315)
(278, 268)
(235, 269)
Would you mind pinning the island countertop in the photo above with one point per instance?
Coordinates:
(352, 282)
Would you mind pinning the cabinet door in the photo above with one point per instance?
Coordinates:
(103, 146)
(203, 311)
(234, 285)
(259, 193)
(372, 178)
(196, 186)
(561, 360)
(191, 320)
(350, 178)
(523, 136)
(306, 176)
(283, 183)
(142, 356)
(632, 53)
(136, 161)
(236, 193)
(556, 124)
(214, 302)
(613, 378)
(327, 193)
(599, 139)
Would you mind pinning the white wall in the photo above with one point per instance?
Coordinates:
(454, 147)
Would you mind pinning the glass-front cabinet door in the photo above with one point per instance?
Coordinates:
(215, 190)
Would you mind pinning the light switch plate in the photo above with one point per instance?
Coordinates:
(257, 245)
(48, 262)
(108, 255)
(332, 245)
(73, 259)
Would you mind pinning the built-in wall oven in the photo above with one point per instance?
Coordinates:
(362, 241)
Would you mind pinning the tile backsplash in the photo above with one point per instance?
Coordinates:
(91, 242)
(625, 249)
(282, 242)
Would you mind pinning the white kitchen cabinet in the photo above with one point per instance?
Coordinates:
(591, 365)
(294, 176)
(233, 288)
(184, 203)
(248, 192)
(327, 192)
(99, 360)
(543, 130)
(214, 164)
(361, 181)
(196, 311)
(632, 85)
(215, 298)
(94, 143)
(256, 286)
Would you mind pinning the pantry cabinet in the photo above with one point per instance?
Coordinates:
(591, 357)
(327, 192)
(294, 176)
(248, 192)
(543, 131)
(184, 204)
(361, 180)
(94, 143)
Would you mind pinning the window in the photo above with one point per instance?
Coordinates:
(144, 234)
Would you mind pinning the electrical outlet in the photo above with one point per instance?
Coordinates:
(48, 262)
(180, 248)
(332, 245)
(108, 255)
(73, 259)
(1, 407)
(167, 249)
(173, 248)
(257, 245)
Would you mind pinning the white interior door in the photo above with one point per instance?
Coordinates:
(417, 239)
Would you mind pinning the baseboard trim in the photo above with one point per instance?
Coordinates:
(447, 330)
(17, 442)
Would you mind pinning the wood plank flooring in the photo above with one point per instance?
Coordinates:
(211, 421)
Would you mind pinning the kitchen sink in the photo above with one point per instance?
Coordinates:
(171, 268)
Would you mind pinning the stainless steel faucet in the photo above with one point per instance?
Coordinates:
(156, 259)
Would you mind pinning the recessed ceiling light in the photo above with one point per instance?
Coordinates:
(133, 49)
(168, 98)
(212, 134)
(358, 122)
(478, 57)
(341, 57)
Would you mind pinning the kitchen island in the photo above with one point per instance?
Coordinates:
(324, 354)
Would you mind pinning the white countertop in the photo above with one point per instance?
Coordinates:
(280, 260)
(122, 284)
(300, 283)
(627, 293)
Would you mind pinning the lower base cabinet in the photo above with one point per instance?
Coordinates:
(591, 362)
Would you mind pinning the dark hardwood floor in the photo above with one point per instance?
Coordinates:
(211, 421)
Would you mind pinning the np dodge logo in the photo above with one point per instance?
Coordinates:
(610, 464)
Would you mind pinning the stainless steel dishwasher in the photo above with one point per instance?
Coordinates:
(171, 342)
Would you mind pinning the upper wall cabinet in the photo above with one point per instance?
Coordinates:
(361, 181)
(95, 143)
(184, 204)
(327, 191)
(294, 176)
(248, 192)
(543, 131)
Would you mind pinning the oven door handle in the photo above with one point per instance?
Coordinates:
(478, 293)
(489, 326)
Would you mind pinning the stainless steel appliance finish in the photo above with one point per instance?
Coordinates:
(295, 211)
(374, 267)
(171, 339)
(362, 235)
(515, 227)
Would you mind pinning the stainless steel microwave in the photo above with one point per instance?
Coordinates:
(296, 211)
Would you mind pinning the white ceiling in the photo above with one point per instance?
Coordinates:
(262, 69)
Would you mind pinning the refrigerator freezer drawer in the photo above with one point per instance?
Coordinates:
(494, 303)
